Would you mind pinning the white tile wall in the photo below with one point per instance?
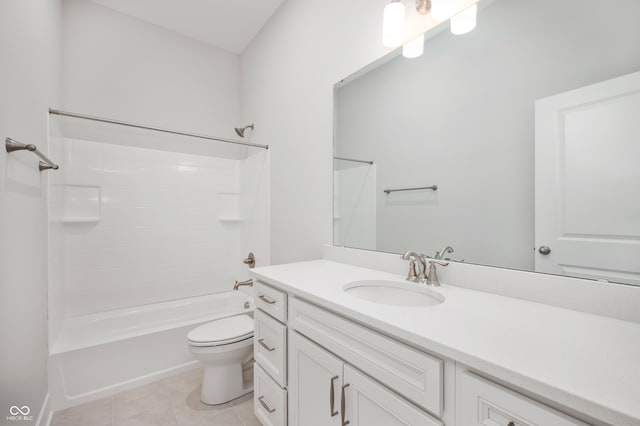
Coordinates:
(158, 236)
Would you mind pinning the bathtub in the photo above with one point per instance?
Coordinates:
(96, 355)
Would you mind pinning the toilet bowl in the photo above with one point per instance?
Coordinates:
(223, 346)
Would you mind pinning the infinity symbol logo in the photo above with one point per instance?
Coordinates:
(15, 410)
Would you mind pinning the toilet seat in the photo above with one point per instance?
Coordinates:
(222, 331)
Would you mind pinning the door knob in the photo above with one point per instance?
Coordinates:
(544, 250)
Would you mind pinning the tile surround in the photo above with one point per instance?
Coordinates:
(158, 236)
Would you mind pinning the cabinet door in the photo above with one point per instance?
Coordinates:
(367, 403)
(315, 377)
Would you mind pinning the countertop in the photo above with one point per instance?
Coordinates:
(587, 363)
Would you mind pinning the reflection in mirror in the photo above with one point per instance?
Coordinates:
(527, 126)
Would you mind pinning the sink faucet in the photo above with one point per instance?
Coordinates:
(413, 275)
(248, 282)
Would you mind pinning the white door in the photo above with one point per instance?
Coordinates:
(315, 379)
(369, 404)
(587, 182)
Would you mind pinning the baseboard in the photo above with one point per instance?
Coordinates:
(45, 412)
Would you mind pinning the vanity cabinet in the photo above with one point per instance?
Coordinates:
(318, 368)
(325, 390)
(270, 354)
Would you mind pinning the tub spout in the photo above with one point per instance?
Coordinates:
(239, 284)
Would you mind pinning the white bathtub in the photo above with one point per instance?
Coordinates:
(96, 355)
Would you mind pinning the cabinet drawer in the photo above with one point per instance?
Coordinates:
(483, 403)
(269, 399)
(414, 374)
(270, 346)
(272, 301)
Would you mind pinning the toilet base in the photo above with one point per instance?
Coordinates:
(222, 384)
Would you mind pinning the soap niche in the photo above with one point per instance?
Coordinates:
(81, 204)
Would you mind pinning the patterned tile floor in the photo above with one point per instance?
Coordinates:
(174, 401)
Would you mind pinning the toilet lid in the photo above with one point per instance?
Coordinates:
(223, 331)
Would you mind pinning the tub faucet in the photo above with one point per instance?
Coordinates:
(413, 275)
(239, 284)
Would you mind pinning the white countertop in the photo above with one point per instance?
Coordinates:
(585, 362)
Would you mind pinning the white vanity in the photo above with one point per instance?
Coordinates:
(329, 357)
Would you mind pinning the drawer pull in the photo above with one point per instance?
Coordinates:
(342, 405)
(265, 406)
(332, 397)
(511, 424)
(267, 299)
(264, 345)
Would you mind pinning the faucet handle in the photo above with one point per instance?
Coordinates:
(432, 276)
(413, 274)
(250, 260)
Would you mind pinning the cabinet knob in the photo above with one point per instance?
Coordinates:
(511, 424)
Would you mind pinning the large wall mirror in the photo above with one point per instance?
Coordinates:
(529, 127)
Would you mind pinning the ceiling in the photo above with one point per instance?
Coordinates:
(228, 24)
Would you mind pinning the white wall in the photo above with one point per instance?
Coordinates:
(255, 208)
(462, 116)
(29, 52)
(288, 73)
(120, 67)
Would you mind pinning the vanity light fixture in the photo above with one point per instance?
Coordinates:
(414, 48)
(393, 24)
(464, 21)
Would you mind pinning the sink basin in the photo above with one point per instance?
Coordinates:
(393, 293)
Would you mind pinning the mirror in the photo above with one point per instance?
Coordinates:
(527, 126)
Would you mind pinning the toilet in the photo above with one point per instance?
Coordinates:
(224, 346)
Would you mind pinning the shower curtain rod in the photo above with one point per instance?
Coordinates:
(156, 129)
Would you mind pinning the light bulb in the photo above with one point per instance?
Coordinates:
(464, 21)
(414, 48)
(393, 24)
(441, 10)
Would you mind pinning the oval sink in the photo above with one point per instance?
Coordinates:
(393, 293)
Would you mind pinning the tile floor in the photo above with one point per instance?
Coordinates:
(174, 401)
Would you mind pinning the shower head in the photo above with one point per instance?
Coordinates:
(240, 130)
